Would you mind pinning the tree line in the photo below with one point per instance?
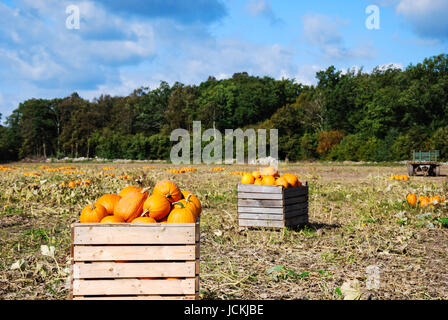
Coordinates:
(355, 115)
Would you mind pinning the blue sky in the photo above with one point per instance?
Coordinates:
(123, 45)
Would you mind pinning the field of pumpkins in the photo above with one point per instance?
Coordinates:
(358, 218)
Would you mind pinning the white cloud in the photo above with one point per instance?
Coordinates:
(323, 32)
(428, 18)
(263, 8)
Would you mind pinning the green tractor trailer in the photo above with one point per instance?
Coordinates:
(426, 163)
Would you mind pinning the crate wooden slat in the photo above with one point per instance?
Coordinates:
(272, 206)
(133, 261)
(108, 253)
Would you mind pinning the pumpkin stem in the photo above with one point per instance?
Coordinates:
(144, 213)
(180, 204)
(145, 190)
(188, 197)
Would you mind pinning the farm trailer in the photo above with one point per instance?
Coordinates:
(425, 163)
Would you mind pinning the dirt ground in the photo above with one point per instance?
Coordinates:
(363, 240)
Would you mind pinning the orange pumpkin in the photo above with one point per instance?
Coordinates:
(128, 189)
(169, 190)
(131, 205)
(282, 182)
(412, 199)
(192, 198)
(144, 220)
(268, 180)
(184, 203)
(93, 213)
(181, 215)
(158, 207)
(256, 174)
(109, 201)
(112, 219)
(435, 200)
(248, 179)
(269, 171)
(291, 179)
(424, 202)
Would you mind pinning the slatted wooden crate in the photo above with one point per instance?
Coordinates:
(272, 206)
(110, 260)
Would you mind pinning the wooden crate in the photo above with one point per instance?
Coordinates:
(272, 206)
(109, 260)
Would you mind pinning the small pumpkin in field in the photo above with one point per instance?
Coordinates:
(169, 190)
(131, 205)
(192, 198)
(109, 201)
(282, 182)
(128, 189)
(248, 179)
(181, 215)
(412, 199)
(112, 219)
(424, 202)
(144, 220)
(93, 213)
(268, 180)
(158, 207)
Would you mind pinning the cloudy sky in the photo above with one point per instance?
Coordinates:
(123, 45)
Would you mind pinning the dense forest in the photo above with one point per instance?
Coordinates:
(378, 116)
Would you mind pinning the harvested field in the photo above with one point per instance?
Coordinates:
(363, 241)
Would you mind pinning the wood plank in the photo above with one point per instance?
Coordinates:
(259, 188)
(260, 210)
(112, 270)
(295, 192)
(295, 213)
(260, 196)
(296, 207)
(294, 200)
(260, 203)
(255, 216)
(150, 297)
(134, 235)
(133, 287)
(136, 253)
(261, 223)
(296, 221)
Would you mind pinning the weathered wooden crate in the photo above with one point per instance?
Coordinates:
(272, 206)
(110, 260)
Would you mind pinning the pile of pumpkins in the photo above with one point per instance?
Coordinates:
(74, 184)
(166, 204)
(270, 176)
(238, 173)
(401, 178)
(183, 170)
(425, 201)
